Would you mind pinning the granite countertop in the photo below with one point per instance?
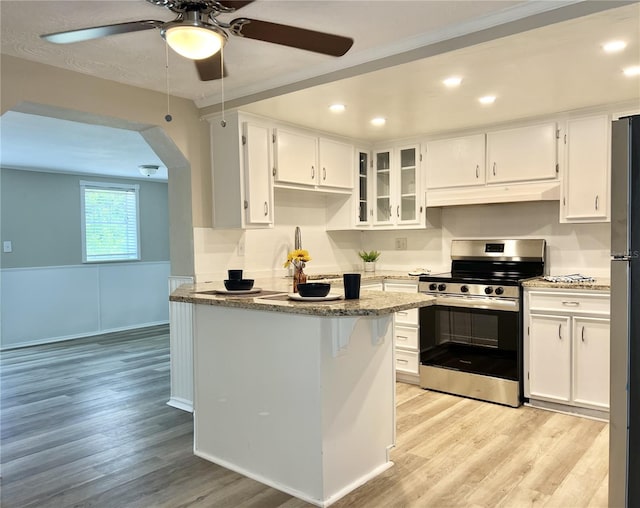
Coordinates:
(274, 299)
(600, 284)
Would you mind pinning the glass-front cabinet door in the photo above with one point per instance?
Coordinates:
(407, 207)
(383, 187)
(364, 213)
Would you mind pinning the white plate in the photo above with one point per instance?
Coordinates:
(238, 291)
(329, 297)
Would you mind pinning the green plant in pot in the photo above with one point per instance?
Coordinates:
(369, 259)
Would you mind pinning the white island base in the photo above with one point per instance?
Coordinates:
(302, 403)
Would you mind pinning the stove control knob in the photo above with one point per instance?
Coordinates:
(499, 291)
(442, 287)
(488, 290)
(433, 286)
(464, 289)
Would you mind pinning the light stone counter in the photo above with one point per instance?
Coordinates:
(274, 298)
(600, 284)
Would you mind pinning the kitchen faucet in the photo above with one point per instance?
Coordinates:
(297, 242)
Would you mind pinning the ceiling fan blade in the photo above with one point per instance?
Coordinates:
(295, 37)
(235, 4)
(209, 68)
(85, 34)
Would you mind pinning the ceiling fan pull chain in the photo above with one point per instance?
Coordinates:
(223, 122)
(168, 116)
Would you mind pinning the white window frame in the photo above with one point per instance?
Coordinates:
(84, 184)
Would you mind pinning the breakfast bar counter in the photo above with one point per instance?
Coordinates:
(298, 395)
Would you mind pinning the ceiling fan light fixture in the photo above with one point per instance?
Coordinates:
(194, 41)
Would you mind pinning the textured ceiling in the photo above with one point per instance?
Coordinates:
(379, 28)
(48, 144)
(558, 67)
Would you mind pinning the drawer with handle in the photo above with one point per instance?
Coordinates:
(406, 337)
(555, 301)
(407, 361)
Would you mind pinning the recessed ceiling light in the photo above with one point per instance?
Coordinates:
(378, 121)
(614, 46)
(452, 81)
(487, 99)
(632, 71)
(337, 108)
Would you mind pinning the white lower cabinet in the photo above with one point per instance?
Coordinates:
(591, 361)
(566, 348)
(406, 334)
(550, 357)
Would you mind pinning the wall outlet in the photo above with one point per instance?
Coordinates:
(401, 244)
(6, 246)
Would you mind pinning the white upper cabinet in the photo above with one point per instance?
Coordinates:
(408, 203)
(382, 183)
(455, 162)
(586, 179)
(336, 164)
(257, 165)
(398, 200)
(296, 157)
(242, 184)
(364, 211)
(522, 154)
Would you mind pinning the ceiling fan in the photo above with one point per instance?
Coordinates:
(196, 33)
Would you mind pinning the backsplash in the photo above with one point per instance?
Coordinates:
(572, 248)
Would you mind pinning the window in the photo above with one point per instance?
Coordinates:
(110, 229)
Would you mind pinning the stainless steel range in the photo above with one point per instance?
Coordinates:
(471, 339)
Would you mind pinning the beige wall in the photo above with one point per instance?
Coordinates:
(34, 87)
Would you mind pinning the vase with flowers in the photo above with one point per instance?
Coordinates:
(298, 258)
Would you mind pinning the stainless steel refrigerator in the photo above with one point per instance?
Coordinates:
(624, 427)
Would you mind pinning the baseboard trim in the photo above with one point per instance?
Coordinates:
(178, 403)
(51, 340)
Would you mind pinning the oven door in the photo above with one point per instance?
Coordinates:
(474, 335)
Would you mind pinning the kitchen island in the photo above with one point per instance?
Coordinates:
(297, 395)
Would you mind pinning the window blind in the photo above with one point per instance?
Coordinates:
(110, 222)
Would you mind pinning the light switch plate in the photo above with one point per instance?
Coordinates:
(6, 246)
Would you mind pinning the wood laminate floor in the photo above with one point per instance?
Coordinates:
(85, 424)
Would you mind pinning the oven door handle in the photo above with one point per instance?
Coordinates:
(479, 303)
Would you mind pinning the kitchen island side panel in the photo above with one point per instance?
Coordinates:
(358, 392)
(301, 403)
(257, 395)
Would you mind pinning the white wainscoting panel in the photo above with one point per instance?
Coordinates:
(181, 340)
(130, 295)
(48, 304)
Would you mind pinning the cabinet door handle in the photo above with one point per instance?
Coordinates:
(494, 169)
(560, 331)
(266, 209)
(390, 211)
(571, 304)
(582, 334)
(398, 211)
(324, 174)
(400, 360)
(478, 171)
(274, 171)
(403, 337)
(597, 201)
(313, 172)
